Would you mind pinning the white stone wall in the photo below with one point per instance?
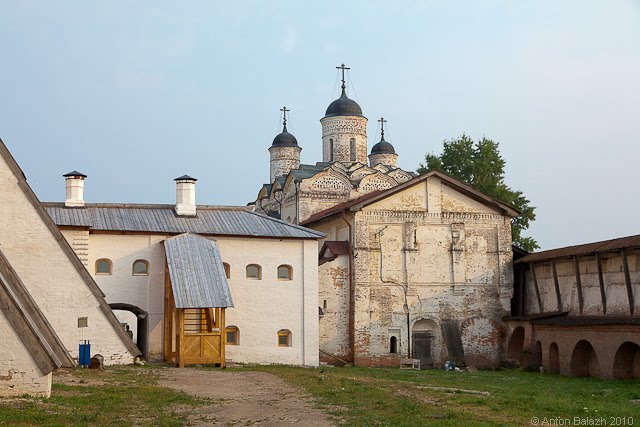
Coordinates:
(384, 159)
(411, 245)
(342, 129)
(50, 276)
(19, 375)
(282, 160)
(262, 307)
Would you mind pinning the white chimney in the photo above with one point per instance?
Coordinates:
(75, 189)
(185, 196)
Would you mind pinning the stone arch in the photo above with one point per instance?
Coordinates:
(516, 344)
(142, 324)
(376, 181)
(330, 180)
(423, 341)
(535, 362)
(554, 359)
(584, 361)
(626, 363)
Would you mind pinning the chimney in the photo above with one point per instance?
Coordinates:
(75, 189)
(185, 196)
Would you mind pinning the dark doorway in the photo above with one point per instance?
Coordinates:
(422, 342)
(141, 325)
(584, 362)
(554, 358)
(626, 363)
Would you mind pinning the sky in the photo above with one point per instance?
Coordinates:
(134, 94)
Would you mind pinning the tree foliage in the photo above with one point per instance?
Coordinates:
(481, 166)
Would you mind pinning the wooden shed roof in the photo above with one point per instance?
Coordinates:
(198, 279)
(29, 323)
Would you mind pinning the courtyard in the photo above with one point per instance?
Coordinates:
(280, 395)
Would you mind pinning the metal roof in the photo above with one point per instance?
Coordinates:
(210, 220)
(197, 275)
(630, 242)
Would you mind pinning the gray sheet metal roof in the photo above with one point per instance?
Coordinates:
(211, 220)
(197, 275)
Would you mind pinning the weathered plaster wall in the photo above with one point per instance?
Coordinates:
(51, 278)
(19, 375)
(617, 302)
(455, 266)
(385, 159)
(262, 307)
(342, 129)
(282, 160)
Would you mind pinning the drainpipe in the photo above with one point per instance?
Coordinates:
(352, 293)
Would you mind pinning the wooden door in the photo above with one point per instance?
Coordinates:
(422, 342)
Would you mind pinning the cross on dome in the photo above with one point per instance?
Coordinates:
(343, 68)
(284, 115)
(382, 122)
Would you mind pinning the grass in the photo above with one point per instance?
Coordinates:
(118, 396)
(381, 397)
(352, 396)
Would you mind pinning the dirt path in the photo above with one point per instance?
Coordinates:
(244, 398)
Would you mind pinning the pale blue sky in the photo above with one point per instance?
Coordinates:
(136, 93)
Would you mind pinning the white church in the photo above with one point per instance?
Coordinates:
(411, 267)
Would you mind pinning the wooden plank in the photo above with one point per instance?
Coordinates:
(24, 333)
(603, 294)
(181, 348)
(223, 340)
(556, 285)
(627, 281)
(535, 284)
(168, 315)
(576, 266)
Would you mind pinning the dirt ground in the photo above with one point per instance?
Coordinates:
(243, 398)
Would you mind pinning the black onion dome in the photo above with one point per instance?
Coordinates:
(285, 139)
(383, 147)
(343, 106)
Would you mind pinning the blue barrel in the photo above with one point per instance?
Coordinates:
(84, 353)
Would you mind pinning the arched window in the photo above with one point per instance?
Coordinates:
(331, 149)
(353, 149)
(284, 338)
(227, 270)
(393, 345)
(233, 335)
(254, 271)
(285, 272)
(103, 266)
(140, 267)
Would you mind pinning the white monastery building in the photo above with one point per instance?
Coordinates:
(245, 280)
(410, 266)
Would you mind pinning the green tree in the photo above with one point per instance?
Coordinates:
(481, 166)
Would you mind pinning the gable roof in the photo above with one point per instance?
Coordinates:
(198, 279)
(331, 249)
(30, 325)
(612, 245)
(210, 220)
(374, 196)
(66, 249)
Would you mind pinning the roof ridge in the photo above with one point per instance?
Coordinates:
(299, 227)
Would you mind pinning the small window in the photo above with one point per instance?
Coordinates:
(254, 271)
(284, 338)
(103, 266)
(233, 335)
(393, 345)
(331, 149)
(353, 149)
(285, 272)
(227, 270)
(141, 267)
